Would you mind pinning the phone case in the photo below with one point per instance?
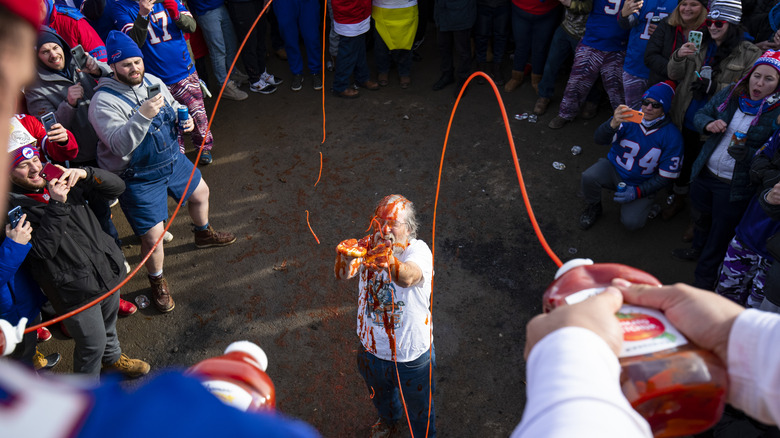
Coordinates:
(48, 121)
(50, 172)
(694, 37)
(636, 116)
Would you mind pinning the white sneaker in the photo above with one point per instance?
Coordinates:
(232, 92)
(269, 78)
(239, 77)
(263, 87)
(168, 237)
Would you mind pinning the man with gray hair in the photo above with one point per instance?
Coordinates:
(394, 316)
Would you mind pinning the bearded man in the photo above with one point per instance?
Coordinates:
(138, 141)
(394, 317)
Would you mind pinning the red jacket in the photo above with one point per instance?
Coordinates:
(351, 11)
(75, 30)
(54, 151)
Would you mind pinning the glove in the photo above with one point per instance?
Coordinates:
(172, 7)
(700, 88)
(12, 335)
(626, 196)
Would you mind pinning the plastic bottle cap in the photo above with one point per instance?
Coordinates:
(9, 332)
(571, 264)
(251, 349)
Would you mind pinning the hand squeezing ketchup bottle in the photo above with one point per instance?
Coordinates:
(679, 388)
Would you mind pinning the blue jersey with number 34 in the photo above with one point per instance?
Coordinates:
(638, 153)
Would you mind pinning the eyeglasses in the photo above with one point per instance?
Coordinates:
(392, 223)
(655, 105)
(717, 23)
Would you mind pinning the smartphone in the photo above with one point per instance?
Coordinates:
(79, 56)
(634, 116)
(153, 90)
(48, 121)
(50, 172)
(694, 37)
(15, 215)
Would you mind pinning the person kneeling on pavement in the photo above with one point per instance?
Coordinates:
(138, 141)
(646, 156)
(72, 259)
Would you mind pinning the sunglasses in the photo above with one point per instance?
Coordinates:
(717, 23)
(655, 105)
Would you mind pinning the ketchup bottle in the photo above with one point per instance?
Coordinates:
(679, 388)
(238, 377)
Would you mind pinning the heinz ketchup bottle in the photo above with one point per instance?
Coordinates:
(679, 388)
(238, 377)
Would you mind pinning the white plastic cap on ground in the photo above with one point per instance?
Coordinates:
(571, 264)
(251, 349)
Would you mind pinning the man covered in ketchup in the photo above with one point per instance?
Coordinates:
(394, 317)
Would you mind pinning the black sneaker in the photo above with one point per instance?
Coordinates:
(687, 254)
(297, 83)
(205, 158)
(316, 81)
(589, 215)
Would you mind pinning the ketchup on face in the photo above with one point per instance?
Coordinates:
(238, 377)
(679, 388)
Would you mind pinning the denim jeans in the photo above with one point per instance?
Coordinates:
(491, 22)
(561, 48)
(300, 18)
(384, 56)
(716, 217)
(220, 39)
(352, 58)
(382, 382)
(532, 37)
(243, 15)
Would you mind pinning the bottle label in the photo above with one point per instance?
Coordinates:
(230, 394)
(645, 331)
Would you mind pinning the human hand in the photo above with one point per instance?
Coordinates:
(596, 314)
(151, 107)
(718, 126)
(346, 267)
(704, 317)
(172, 7)
(59, 188)
(773, 195)
(145, 7)
(58, 134)
(189, 125)
(73, 175)
(626, 196)
(687, 49)
(75, 92)
(22, 233)
(630, 7)
(621, 114)
(91, 66)
(13, 334)
(651, 28)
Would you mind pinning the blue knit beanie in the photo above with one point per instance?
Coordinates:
(120, 47)
(663, 93)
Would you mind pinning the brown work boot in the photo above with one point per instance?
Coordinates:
(161, 296)
(517, 79)
(541, 106)
(209, 237)
(131, 368)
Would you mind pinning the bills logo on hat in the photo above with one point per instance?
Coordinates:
(715, 14)
(28, 152)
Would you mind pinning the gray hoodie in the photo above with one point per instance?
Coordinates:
(120, 127)
(50, 94)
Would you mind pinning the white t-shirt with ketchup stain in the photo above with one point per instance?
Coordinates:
(394, 319)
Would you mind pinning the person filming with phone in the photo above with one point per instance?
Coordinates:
(645, 155)
(72, 259)
(134, 116)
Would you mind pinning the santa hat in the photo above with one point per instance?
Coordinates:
(663, 93)
(120, 47)
(29, 10)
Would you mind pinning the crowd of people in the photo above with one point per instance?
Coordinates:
(694, 88)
